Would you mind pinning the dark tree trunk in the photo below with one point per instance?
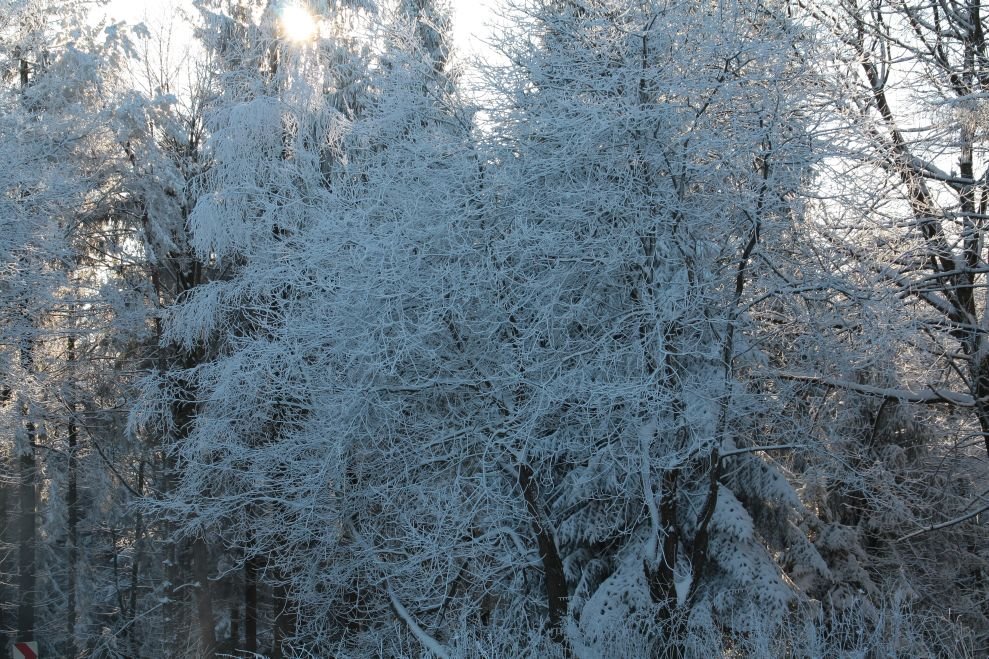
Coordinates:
(553, 575)
(26, 577)
(284, 620)
(204, 598)
(72, 503)
(980, 386)
(5, 568)
(22, 69)
(136, 563)
(234, 627)
(251, 605)
(660, 576)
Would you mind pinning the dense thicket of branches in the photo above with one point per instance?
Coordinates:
(673, 345)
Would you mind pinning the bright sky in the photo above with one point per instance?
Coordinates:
(469, 30)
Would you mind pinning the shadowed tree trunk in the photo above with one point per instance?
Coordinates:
(204, 597)
(5, 568)
(136, 563)
(72, 503)
(553, 575)
(284, 620)
(251, 605)
(26, 578)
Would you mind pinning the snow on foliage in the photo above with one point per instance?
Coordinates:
(586, 373)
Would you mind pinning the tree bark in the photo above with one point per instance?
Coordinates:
(251, 605)
(553, 575)
(204, 598)
(5, 568)
(72, 503)
(26, 578)
(136, 563)
(284, 621)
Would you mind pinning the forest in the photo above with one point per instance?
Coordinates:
(662, 331)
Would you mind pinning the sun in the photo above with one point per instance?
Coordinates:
(298, 24)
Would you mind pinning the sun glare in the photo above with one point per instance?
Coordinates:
(298, 24)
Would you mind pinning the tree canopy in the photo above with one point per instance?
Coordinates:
(661, 335)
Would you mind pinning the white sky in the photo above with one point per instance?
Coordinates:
(469, 19)
(470, 29)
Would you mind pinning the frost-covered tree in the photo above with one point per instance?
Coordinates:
(56, 155)
(649, 158)
(517, 396)
(617, 367)
(905, 212)
(271, 154)
(651, 193)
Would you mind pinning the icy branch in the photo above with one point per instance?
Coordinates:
(944, 525)
(427, 641)
(931, 396)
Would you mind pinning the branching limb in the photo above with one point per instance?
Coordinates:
(930, 397)
(427, 641)
(944, 525)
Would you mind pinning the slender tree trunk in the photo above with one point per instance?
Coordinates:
(660, 577)
(136, 564)
(72, 503)
(553, 575)
(184, 412)
(165, 474)
(27, 520)
(5, 568)
(204, 598)
(284, 620)
(172, 606)
(22, 68)
(234, 627)
(251, 605)
(979, 371)
(26, 578)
